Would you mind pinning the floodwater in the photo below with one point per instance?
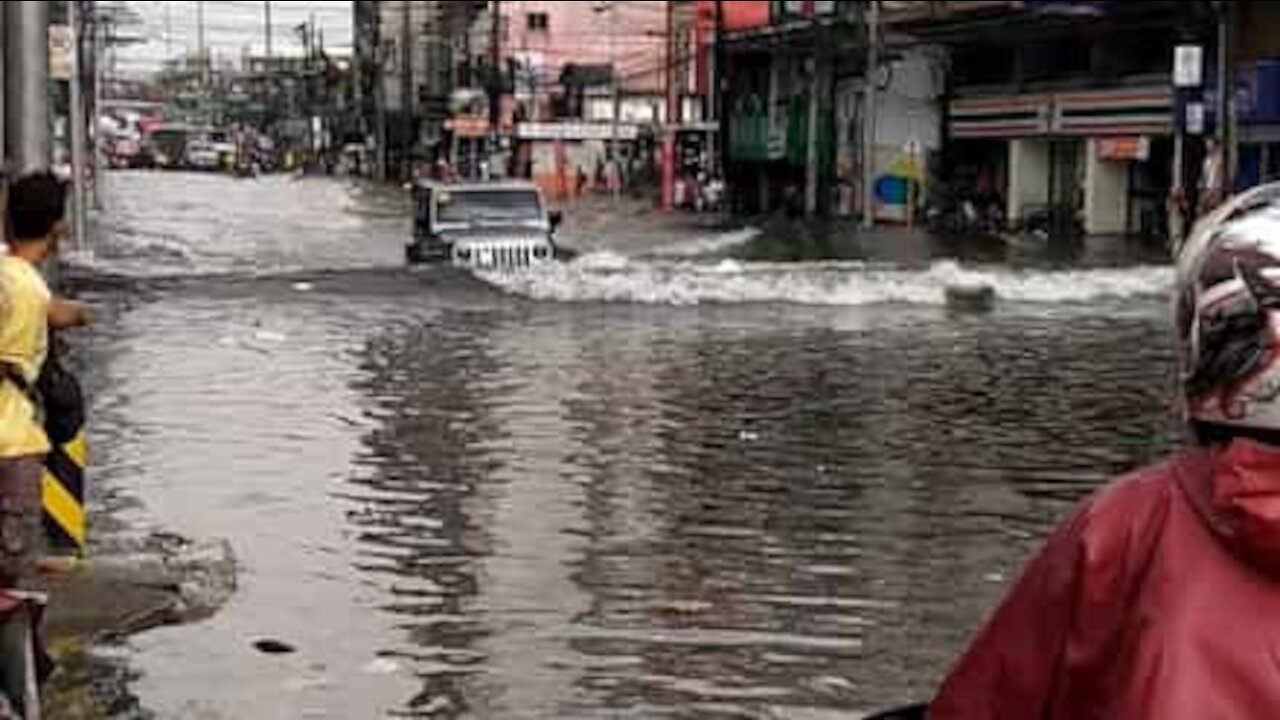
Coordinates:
(624, 488)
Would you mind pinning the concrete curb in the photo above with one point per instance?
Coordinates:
(112, 597)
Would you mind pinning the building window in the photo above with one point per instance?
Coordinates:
(538, 22)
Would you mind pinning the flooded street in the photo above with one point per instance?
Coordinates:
(624, 488)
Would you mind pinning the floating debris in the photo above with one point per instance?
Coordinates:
(274, 647)
(974, 298)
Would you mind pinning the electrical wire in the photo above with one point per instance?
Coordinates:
(638, 46)
(655, 71)
(229, 23)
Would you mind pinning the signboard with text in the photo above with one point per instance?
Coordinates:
(61, 44)
(1124, 148)
(1188, 66)
(576, 131)
(1195, 118)
(467, 126)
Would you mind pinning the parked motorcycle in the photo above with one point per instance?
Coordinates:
(959, 217)
(1051, 221)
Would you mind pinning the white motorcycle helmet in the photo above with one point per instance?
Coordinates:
(1228, 316)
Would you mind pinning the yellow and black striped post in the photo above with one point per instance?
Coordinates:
(63, 491)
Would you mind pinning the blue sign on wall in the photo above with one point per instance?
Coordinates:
(1258, 94)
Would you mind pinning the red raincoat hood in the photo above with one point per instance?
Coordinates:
(1158, 599)
(1236, 491)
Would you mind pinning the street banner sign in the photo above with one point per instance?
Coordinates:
(1188, 66)
(61, 46)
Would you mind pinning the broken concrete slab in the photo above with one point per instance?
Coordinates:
(162, 582)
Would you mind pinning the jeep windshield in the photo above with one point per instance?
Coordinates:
(489, 207)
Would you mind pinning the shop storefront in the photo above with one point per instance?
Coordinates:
(1101, 159)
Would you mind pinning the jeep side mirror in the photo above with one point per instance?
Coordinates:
(557, 219)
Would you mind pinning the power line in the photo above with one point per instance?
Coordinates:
(228, 22)
(251, 8)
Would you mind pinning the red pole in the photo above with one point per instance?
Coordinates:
(673, 96)
(673, 112)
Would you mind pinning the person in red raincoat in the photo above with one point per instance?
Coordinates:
(1160, 596)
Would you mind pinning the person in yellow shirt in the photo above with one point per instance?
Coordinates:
(36, 209)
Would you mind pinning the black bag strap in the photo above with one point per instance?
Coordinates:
(11, 373)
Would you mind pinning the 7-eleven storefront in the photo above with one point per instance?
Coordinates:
(1104, 157)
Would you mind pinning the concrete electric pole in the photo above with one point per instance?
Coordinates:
(379, 96)
(267, 29)
(869, 113)
(1226, 97)
(98, 49)
(408, 97)
(494, 81)
(79, 126)
(202, 53)
(672, 115)
(818, 92)
(615, 155)
(26, 80)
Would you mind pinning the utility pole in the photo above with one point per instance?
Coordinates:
(617, 99)
(1188, 81)
(267, 28)
(408, 99)
(817, 93)
(26, 81)
(495, 74)
(716, 86)
(1226, 97)
(379, 96)
(869, 112)
(200, 47)
(308, 92)
(673, 112)
(79, 126)
(168, 30)
(99, 80)
(614, 135)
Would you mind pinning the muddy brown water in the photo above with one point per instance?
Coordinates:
(453, 500)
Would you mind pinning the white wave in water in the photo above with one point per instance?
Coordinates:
(709, 245)
(608, 277)
(603, 261)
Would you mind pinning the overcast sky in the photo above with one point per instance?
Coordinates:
(230, 27)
